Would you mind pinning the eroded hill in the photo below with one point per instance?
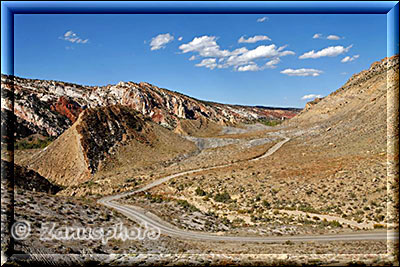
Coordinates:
(106, 138)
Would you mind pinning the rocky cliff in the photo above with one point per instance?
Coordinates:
(50, 107)
(100, 135)
(362, 98)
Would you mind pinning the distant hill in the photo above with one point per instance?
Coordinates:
(50, 107)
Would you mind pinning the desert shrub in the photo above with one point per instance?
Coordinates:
(270, 122)
(307, 208)
(156, 199)
(226, 221)
(200, 192)
(333, 223)
(222, 197)
(187, 206)
(380, 217)
(33, 144)
(266, 204)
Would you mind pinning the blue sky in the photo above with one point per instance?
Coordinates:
(270, 60)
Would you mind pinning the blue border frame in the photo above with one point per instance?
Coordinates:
(9, 8)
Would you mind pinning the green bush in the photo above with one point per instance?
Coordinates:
(33, 144)
(222, 197)
(266, 204)
(270, 122)
(200, 192)
(187, 206)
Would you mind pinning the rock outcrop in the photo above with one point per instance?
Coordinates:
(362, 98)
(51, 107)
(98, 134)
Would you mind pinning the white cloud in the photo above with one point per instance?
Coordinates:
(254, 39)
(317, 36)
(262, 19)
(238, 51)
(160, 41)
(302, 72)
(250, 67)
(331, 51)
(205, 45)
(310, 96)
(72, 37)
(348, 59)
(262, 51)
(180, 38)
(208, 63)
(329, 37)
(271, 64)
(333, 37)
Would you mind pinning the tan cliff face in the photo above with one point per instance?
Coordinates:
(96, 137)
(51, 107)
(363, 95)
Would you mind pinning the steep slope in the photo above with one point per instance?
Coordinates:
(97, 135)
(29, 179)
(355, 115)
(51, 107)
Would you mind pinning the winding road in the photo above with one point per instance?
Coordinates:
(142, 216)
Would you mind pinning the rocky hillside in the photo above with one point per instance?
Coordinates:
(364, 94)
(356, 115)
(98, 135)
(51, 107)
(29, 179)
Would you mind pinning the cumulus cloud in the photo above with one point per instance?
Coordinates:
(317, 36)
(310, 96)
(250, 67)
(180, 38)
(302, 72)
(262, 19)
(208, 63)
(272, 63)
(205, 45)
(72, 37)
(160, 41)
(260, 52)
(254, 39)
(329, 37)
(331, 51)
(333, 37)
(348, 58)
